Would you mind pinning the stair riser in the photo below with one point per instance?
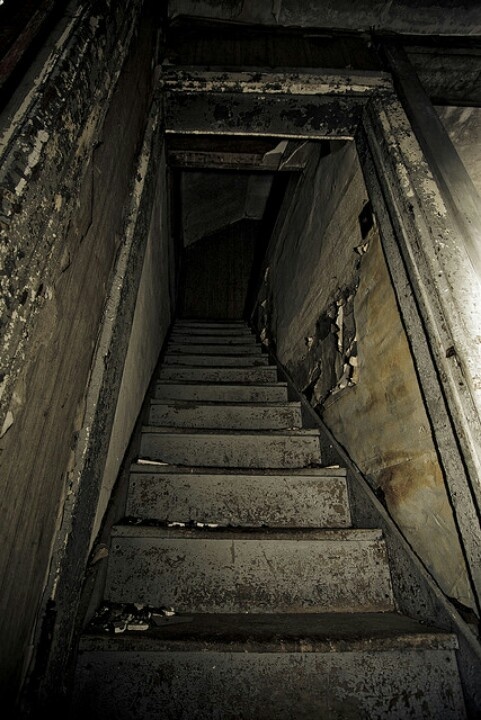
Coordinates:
(216, 360)
(226, 417)
(226, 375)
(194, 349)
(249, 451)
(188, 338)
(238, 575)
(268, 686)
(226, 394)
(244, 501)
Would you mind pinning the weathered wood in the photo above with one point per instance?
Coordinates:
(299, 83)
(459, 192)
(407, 226)
(239, 113)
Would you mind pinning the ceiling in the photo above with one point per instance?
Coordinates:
(420, 17)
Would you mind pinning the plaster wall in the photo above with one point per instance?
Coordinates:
(66, 167)
(151, 322)
(329, 309)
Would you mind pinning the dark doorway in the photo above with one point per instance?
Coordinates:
(217, 272)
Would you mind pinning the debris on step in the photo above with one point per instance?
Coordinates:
(119, 618)
(138, 626)
(100, 553)
(162, 620)
(167, 611)
(144, 461)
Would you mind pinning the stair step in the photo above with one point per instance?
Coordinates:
(212, 349)
(221, 374)
(239, 499)
(215, 360)
(187, 338)
(259, 449)
(269, 632)
(264, 571)
(229, 417)
(193, 330)
(272, 667)
(282, 610)
(221, 392)
(233, 324)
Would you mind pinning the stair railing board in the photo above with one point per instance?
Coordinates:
(416, 592)
(236, 581)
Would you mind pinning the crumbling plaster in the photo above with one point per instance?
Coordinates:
(317, 254)
(67, 157)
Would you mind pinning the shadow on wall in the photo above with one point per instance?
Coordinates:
(217, 273)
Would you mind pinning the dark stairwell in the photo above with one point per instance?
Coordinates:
(227, 352)
(236, 582)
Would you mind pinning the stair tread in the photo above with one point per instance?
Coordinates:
(278, 585)
(193, 366)
(215, 356)
(301, 432)
(274, 632)
(187, 335)
(161, 532)
(213, 332)
(151, 467)
(195, 383)
(201, 374)
(223, 403)
(176, 348)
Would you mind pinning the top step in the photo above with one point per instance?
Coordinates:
(238, 325)
(221, 332)
(187, 338)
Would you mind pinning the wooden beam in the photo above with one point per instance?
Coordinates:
(459, 192)
(299, 83)
(247, 114)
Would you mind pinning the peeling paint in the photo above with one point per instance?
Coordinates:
(8, 422)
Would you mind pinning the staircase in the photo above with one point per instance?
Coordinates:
(237, 587)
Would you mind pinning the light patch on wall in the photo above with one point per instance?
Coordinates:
(335, 350)
(8, 422)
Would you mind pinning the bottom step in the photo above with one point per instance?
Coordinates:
(289, 667)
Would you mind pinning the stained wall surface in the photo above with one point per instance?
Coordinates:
(64, 186)
(328, 307)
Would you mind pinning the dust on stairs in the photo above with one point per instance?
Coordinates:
(237, 586)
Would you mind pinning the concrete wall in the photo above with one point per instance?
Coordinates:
(328, 307)
(68, 150)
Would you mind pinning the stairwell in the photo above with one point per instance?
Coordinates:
(237, 586)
